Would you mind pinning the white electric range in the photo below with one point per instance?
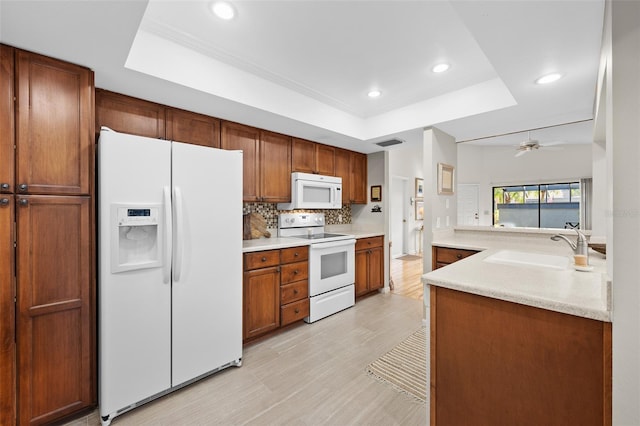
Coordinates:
(331, 263)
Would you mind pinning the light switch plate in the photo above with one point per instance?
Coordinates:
(438, 222)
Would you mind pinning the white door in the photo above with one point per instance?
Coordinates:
(468, 204)
(135, 305)
(207, 267)
(399, 209)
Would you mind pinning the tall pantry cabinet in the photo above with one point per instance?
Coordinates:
(47, 354)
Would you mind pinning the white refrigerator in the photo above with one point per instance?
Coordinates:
(170, 266)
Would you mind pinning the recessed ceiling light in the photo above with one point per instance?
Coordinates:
(549, 78)
(223, 10)
(374, 93)
(440, 68)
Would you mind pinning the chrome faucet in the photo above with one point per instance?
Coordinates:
(581, 246)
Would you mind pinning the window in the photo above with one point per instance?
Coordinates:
(537, 205)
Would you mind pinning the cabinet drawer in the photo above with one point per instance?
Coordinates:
(294, 312)
(294, 291)
(450, 255)
(294, 254)
(261, 259)
(294, 272)
(366, 243)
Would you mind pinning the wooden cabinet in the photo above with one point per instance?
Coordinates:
(129, 115)
(54, 307)
(54, 126)
(352, 168)
(443, 256)
(276, 289)
(261, 303)
(294, 285)
(343, 170)
(7, 312)
(358, 184)
(47, 265)
(7, 123)
(247, 139)
(266, 162)
(502, 363)
(189, 127)
(369, 265)
(311, 157)
(275, 167)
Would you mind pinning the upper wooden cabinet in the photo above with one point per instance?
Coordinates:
(266, 162)
(189, 127)
(311, 157)
(352, 168)
(7, 129)
(358, 186)
(275, 167)
(129, 115)
(54, 126)
(247, 139)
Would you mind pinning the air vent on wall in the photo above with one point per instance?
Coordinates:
(390, 142)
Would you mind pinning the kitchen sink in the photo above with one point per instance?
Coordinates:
(521, 258)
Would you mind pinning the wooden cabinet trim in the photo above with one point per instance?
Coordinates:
(7, 119)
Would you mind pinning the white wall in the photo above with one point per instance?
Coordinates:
(438, 147)
(620, 68)
(492, 166)
(407, 163)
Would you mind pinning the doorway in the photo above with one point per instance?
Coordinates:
(468, 204)
(399, 216)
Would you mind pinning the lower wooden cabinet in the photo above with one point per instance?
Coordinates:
(276, 290)
(502, 363)
(55, 327)
(369, 265)
(443, 256)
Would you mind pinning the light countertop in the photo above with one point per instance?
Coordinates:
(585, 294)
(274, 243)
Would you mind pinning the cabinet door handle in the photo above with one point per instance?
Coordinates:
(23, 187)
(4, 186)
(4, 201)
(295, 272)
(459, 256)
(23, 201)
(295, 254)
(297, 311)
(295, 291)
(264, 259)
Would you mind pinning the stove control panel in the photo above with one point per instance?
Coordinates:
(300, 220)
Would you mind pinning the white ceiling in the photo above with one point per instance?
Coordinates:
(304, 67)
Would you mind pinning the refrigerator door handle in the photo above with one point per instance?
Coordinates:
(166, 269)
(178, 237)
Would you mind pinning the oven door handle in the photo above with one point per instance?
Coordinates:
(331, 244)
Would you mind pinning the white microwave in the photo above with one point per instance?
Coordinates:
(309, 191)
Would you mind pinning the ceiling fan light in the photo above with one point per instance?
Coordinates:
(549, 78)
(374, 93)
(223, 10)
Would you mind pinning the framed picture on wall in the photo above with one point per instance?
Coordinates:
(419, 209)
(376, 193)
(419, 188)
(445, 179)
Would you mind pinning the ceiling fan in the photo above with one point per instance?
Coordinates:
(532, 145)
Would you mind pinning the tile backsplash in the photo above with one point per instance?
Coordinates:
(270, 213)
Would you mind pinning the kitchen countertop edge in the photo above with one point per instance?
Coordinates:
(261, 244)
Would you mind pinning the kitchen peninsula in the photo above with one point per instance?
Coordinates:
(515, 343)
